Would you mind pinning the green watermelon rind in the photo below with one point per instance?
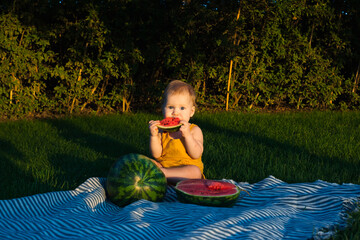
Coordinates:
(121, 186)
(213, 201)
(173, 128)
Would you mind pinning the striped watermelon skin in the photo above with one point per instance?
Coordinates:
(133, 177)
(203, 197)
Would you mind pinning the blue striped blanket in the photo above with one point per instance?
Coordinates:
(274, 210)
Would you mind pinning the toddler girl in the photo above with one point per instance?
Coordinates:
(178, 154)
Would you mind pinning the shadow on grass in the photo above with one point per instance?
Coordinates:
(15, 181)
(91, 154)
(263, 156)
(8, 168)
(71, 154)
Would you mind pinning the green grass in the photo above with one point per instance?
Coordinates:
(294, 147)
(59, 154)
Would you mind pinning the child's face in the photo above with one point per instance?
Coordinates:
(180, 106)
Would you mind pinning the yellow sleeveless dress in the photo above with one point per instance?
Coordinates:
(174, 153)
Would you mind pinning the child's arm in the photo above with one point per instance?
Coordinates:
(193, 140)
(155, 139)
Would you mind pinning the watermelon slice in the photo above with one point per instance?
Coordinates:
(206, 192)
(170, 124)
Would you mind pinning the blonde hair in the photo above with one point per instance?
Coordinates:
(179, 87)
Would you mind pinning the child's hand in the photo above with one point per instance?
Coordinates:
(185, 129)
(154, 131)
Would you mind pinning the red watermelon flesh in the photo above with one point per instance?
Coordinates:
(207, 187)
(170, 124)
(170, 121)
(215, 193)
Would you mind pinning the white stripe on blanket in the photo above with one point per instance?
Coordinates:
(274, 210)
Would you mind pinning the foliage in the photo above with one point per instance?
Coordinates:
(76, 56)
(23, 70)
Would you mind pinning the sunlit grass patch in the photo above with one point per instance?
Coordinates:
(59, 154)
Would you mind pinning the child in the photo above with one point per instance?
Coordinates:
(178, 154)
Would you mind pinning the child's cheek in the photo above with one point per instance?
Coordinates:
(166, 113)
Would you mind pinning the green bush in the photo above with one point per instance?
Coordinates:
(24, 69)
(75, 56)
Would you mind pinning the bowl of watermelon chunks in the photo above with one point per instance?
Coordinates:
(170, 124)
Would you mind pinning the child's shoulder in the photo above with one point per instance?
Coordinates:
(193, 126)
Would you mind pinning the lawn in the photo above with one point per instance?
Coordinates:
(59, 154)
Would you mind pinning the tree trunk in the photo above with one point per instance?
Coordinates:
(356, 81)
(230, 70)
(126, 104)
(311, 36)
(74, 101)
(228, 86)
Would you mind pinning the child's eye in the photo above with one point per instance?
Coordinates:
(170, 107)
(182, 108)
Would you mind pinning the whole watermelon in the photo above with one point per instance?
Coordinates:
(133, 177)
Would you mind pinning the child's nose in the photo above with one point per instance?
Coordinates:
(176, 111)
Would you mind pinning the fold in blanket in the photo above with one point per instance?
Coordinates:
(274, 210)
